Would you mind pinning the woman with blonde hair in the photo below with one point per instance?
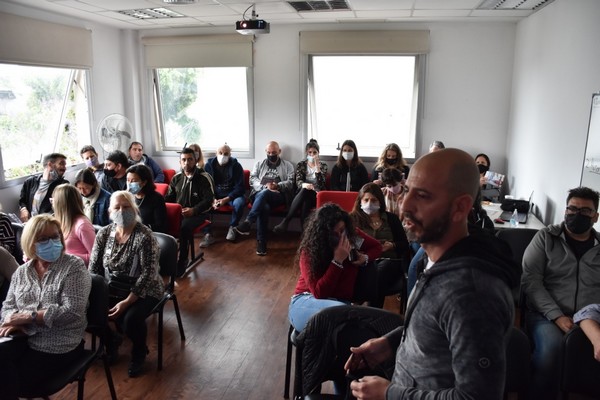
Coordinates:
(391, 157)
(77, 229)
(198, 154)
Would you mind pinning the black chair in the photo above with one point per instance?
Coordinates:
(18, 252)
(97, 315)
(168, 267)
(517, 239)
(343, 326)
(580, 372)
(518, 358)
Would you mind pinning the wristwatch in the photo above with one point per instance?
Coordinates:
(33, 316)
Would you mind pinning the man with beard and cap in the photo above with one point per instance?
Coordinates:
(37, 190)
(561, 275)
(272, 184)
(452, 344)
(193, 191)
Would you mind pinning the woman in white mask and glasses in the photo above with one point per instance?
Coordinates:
(349, 173)
(127, 254)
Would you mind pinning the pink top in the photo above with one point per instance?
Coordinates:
(81, 239)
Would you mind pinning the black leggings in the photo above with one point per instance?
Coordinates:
(133, 324)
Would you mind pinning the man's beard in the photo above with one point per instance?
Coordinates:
(431, 233)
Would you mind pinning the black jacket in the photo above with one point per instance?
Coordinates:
(30, 186)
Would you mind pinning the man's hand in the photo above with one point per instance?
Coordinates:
(187, 212)
(369, 354)
(564, 323)
(272, 186)
(369, 388)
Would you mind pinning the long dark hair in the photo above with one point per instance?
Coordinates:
(360, 218)
(341, 162)
(316, 240)
(145, 175)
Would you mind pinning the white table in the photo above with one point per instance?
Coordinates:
(493, 210)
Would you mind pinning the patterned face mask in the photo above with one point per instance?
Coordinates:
(123, 217)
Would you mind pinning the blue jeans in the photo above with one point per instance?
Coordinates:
(261, 207)
(304, 305)
(412, 270)
(547, 341)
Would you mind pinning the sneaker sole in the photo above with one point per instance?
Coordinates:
(261, 254)
(241, 233)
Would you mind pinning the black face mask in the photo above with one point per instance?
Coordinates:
(391, 161)
(111, 173)
(482, 168)
(272, 158)
(578, 223)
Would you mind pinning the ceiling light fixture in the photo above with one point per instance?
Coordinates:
(175, 2)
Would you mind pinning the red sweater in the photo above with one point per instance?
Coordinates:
(336, 283)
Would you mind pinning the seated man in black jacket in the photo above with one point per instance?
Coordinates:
(37, 189)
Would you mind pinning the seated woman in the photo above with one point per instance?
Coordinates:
(310, 178)
(150, 203)
(198, 154)
(129, 253)
(391, 157)
(349, 173)
(47, 302)
(483, 163)
(95, 199)
(588, 319)
(393, 190)
(370, 216)
(77, 229)
(330, 255)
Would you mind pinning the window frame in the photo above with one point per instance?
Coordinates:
(418, 91)
(157, 119)
(74, 70)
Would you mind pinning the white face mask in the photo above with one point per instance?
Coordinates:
(369, 208)
(395, 189)
(310, 158)
(222, 159)
(348, 155)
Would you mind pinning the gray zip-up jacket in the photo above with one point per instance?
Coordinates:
(554, 282)
(453, 344)
(282, 172)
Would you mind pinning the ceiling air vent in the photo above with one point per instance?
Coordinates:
(330, 5)
(513, 4)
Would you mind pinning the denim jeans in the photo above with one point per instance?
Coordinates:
(545, 362)
(261, 207)
(304, 305)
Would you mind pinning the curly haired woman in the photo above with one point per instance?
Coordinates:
(331, 255)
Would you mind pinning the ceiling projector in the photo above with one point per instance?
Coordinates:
(252, 27)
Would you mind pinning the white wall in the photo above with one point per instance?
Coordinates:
(556, 71)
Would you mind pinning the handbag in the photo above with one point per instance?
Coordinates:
(120, 286)
(522, 206)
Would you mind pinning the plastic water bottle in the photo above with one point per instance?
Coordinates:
(514, 219)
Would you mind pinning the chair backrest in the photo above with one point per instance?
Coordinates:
(247, 179)
(18, 252)
(168, 253)
(173, 218)
(169, 174)
(162, 188)
(580, 372)
(97, 312)
(517, 239)
(343, 199)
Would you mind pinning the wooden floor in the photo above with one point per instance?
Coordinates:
(234, 309)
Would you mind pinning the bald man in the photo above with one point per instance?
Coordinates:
(452, 344)
(272, 182)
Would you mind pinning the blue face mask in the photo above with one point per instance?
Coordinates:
(134, 187)
(310, 158)
(49, 250)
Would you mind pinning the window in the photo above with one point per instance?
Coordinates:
(370, 99)
(208, 106)
(42, 110)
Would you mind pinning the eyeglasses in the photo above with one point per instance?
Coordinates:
(586, 211)
(47, 239)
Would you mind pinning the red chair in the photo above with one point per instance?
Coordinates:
(162, 188)
(227, 209)
(174, 218)
(345, 200)
(169, 174)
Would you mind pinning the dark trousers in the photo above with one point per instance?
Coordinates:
(186, 235)
(22, 367)
(304, 201)
(133, 324)
(262, 203)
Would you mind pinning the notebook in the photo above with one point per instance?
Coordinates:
(521, 216)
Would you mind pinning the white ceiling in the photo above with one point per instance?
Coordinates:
(206, 13)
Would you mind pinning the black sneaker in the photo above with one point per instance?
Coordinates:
(243, 228)
(136, 367)
(261, 248)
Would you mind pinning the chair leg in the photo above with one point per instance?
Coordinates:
(178, 315)
(288, 365)
(160, 339)
(109, 379)
(80, 384)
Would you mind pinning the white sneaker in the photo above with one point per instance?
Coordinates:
(207, 241)
(231, 235)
